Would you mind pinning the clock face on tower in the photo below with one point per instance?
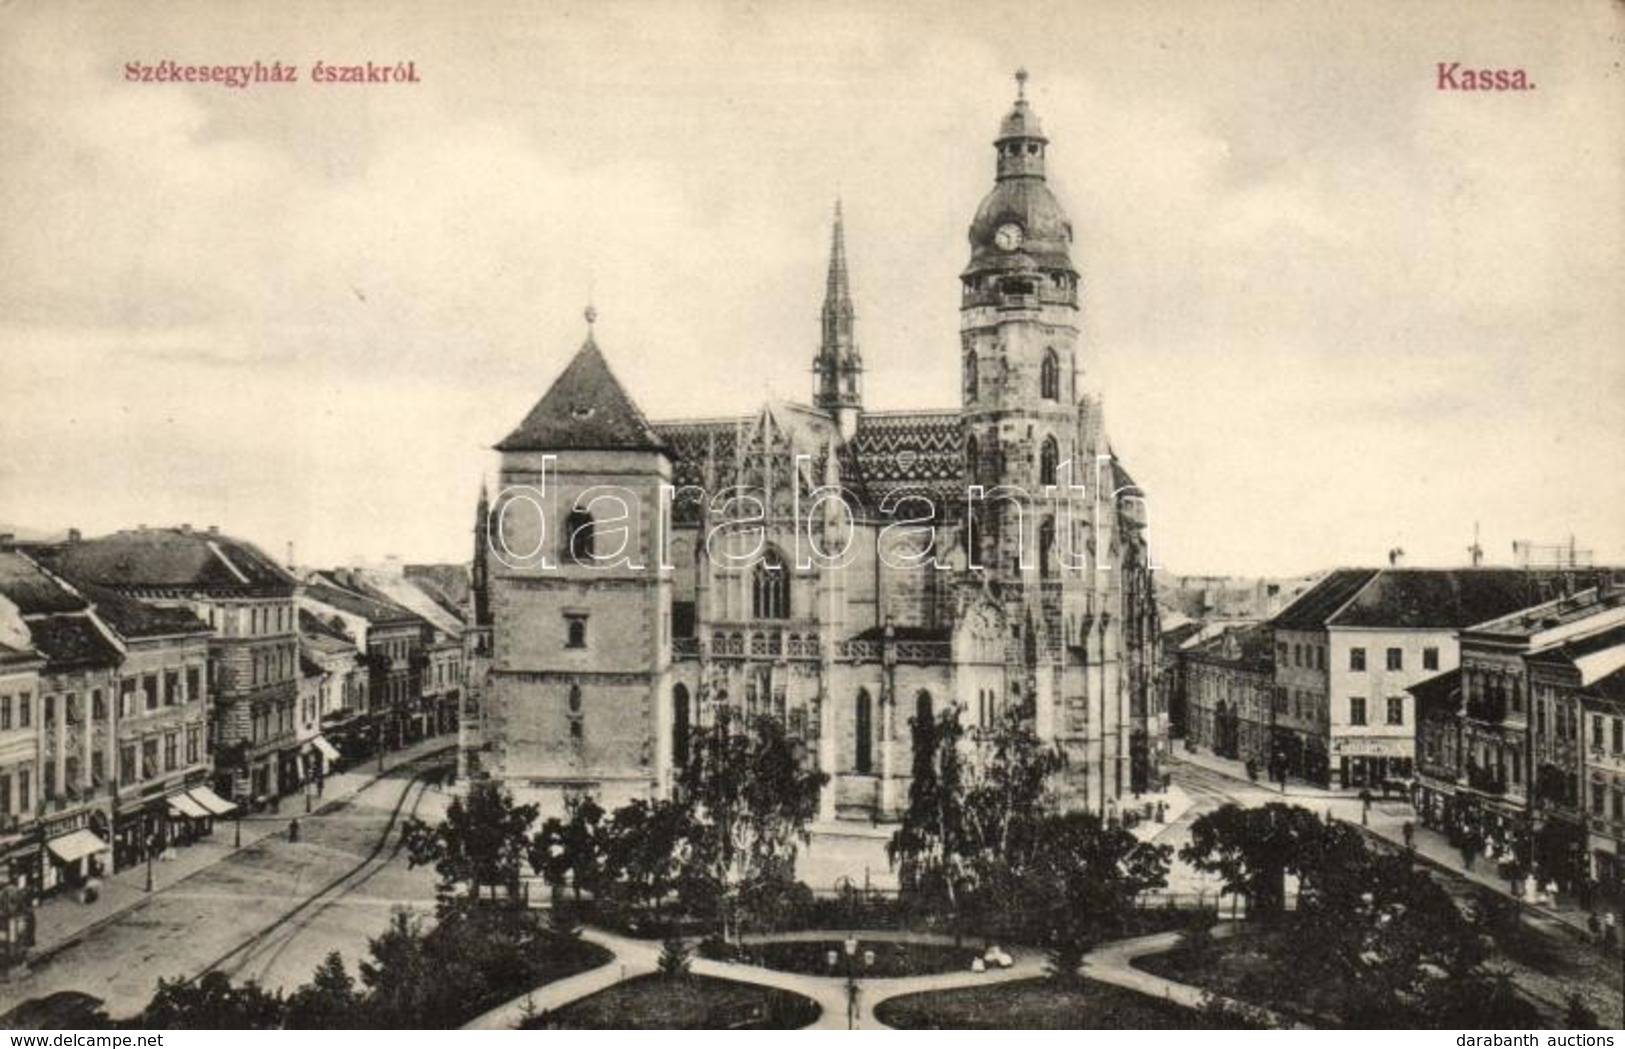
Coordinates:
(1008, 237)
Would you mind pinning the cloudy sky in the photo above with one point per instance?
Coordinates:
(1333, 308)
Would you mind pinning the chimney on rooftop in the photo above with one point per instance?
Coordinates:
(73, 535)
(214, 529)
(8, 542)
(186, 529)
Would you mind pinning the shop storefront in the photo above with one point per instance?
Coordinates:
(20, 861)
(76, 850)
(1372, 762)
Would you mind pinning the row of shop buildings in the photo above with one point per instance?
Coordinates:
(154, 681)
(1520, 749)
(1321, 690)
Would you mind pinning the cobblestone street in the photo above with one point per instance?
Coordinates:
(269, 911)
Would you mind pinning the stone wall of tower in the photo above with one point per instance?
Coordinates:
(610, 740)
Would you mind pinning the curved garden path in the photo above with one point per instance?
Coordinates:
(1111, 963)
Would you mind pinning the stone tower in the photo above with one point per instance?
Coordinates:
(581, 606)
(1043, 542)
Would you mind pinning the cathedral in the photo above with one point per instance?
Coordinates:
(843, 569)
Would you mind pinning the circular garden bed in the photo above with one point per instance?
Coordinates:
(683, 1003)
(890, 958)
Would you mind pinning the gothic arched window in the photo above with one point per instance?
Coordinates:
(1049, 377)
(578, 539)
(1046, 548)
(924, 709)
(770, 587)
(971, 383)
(1049, 460)
(863, 734)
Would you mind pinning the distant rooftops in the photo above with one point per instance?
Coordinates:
(172, 559)
(1412, 598)
(339, 589)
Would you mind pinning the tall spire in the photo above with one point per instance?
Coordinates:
(836, 289)
(479, 582)
(839, 366)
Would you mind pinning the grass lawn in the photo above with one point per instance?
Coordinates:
(891, 959)
(1254, 966)
(655, 1003)
(1251, 967)
(1028, 1005)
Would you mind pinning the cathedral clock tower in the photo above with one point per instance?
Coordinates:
(1019, 333)
(1030, 437)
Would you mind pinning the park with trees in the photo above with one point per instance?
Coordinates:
(1337, 930)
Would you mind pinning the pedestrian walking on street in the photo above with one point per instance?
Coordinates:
(1409, 830)
(293, 831)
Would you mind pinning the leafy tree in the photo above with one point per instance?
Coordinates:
(481, 841)
(1078, 880)
(571, 852)
(644, 846)
(211, 1003)
(976, 808)
(752, 797)
(1253, 850)
(401, 975)
(933, 849)
(328, 1002)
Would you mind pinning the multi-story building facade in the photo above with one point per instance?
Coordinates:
(1577, 753)
(1509, 754)
(346, 731)
(436, 711)
(1602, 777)
(611, 644)
(1177, 632)
(161, 717)
(20, 668)
(1348, 650)
(1230, 694)
(246, 598)
(390, 647)
(73, 793)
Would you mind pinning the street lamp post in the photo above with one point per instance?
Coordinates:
(850, 955)
(237, 826)
(151, 840)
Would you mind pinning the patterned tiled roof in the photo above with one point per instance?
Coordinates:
(911, 451)
(692, 443)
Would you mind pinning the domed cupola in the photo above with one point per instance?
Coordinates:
(1020, 227)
